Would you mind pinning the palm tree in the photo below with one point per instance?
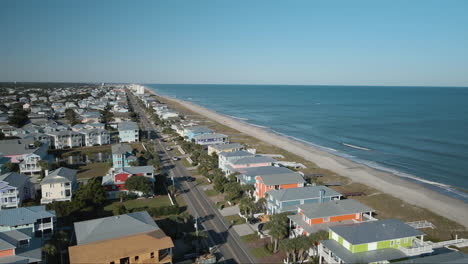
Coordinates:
(278, 226)
(262, 205)
(247, 206)
(50, 250)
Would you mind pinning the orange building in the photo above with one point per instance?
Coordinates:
(311, 218)
(281, 181)
(123, 239)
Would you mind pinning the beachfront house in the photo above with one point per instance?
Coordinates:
(247, 175)
(58, 185)
(287, 200)
(114, 181)
(372, 242)
(264, 183)
(247, 162)
(191, 132)
(224, 158)
(122, 155)
(313, 217)
(211, 139)
(230, 147)
(14, 189)
(127, 238)
(128, 132)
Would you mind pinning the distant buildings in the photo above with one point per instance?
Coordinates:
(58, 185)
(128, 238)
(210, 139)
(230, 147)
(128, 132)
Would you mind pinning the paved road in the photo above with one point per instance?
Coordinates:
(219, 233)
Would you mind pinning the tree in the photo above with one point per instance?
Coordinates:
(13, 167)
(91, 194)
(19, 117)
(278, 226)
(219, 182)
(50, 250)
(247, 206)
(233, 190)
(44, 165)
(139, 184)
(262, 205)
(119, 208)
(122, 196)
(71, 116)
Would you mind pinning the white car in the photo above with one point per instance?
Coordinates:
(175, 158)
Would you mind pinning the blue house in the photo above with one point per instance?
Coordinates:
(122, 155)
(247, 175)
(287, 200)
(191, 132)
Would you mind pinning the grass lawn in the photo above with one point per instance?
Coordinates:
(211, 192)
(236, 218)
(162, 200)
(260, 252)
(186, 163)
(249, 238)
(201, 181)
(92, 170)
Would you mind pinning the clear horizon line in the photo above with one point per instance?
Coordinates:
(257, 84)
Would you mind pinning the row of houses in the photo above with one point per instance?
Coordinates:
(355, 235)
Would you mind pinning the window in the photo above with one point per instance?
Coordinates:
(136, 258)
(405, 240)
(326, 219)
(392, 243)
(112, 262)
(152, 255)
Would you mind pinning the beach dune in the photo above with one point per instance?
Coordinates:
(396, 186)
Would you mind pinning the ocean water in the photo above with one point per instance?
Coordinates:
(416, 132)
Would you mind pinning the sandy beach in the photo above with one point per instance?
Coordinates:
(396, 186)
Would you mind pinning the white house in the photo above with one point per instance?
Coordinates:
(58, 185)
(128, 132)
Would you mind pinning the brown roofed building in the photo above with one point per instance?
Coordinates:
(124, 239)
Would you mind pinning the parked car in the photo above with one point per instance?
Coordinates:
(168, 148)
(175, 158)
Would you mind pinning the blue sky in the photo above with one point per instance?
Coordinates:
(251, 42)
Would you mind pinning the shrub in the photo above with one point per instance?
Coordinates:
(164, 210)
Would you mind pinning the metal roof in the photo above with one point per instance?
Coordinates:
(121, 148)
(24, 215)
(252, 160)
(333, 208)
(445, 258)
(239, 153)
(14, 179)
(137, 169)
(221, 147)
(362, 257)
(17, 146)
(278, 179)
(113, 227)
(308, 192)
(374, 231)
(60, 175)
(266, 170)
(208, 136)
(128, 126)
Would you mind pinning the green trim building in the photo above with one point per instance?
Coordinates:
(372, 242)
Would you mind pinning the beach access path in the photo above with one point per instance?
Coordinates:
(391, 184)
